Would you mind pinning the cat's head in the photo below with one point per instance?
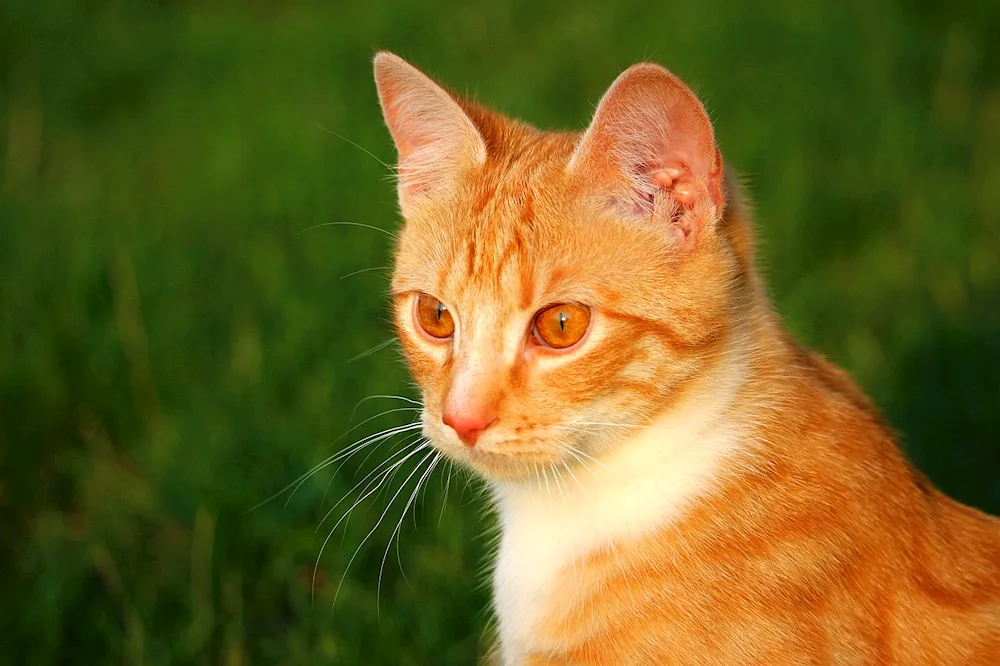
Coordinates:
(552, 290)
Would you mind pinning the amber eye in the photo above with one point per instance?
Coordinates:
(433, 317)
(560, 326)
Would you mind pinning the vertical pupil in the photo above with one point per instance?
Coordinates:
(562, 321)
(440, 309)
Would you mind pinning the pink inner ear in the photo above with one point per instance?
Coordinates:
(652, 132)
(409, 113)
(435, 139)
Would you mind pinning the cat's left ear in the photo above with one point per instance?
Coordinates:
(650, 149)
(434, 137)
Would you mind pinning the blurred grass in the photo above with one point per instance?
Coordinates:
(174, 347)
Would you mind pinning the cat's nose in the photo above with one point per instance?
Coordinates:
(469, 424)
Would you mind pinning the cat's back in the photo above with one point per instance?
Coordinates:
(910, 573)
(952, 587)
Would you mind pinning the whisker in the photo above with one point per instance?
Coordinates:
(386, 396)
(388, 484)
(374, 473)
(346, 223)
(583, 463)
(588, 456)
(601, 423)
(469, 478)
(348, 513)
(555, 477)
(303, 478)
(572, 474)
(377, 523)
(404, 446)
(484, 491)
(364, 270)
(398, 531)
(372, 418)
(447, 486)
(399, 558)
(377, 348)
(351, 450)
(358, 146)
(373, 449)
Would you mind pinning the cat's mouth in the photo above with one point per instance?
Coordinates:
(502, 457)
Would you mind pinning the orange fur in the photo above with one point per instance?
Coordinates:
(718, 495)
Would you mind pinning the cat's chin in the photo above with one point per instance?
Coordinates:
(504, 470)
(502, 463)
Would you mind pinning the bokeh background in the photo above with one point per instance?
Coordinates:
(178, 343)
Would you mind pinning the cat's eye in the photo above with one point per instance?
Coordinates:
(562, 325)
(433, 317)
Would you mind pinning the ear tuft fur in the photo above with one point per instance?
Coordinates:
(651, 139)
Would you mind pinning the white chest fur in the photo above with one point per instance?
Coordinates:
(644, 484)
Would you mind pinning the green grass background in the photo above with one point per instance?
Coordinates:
(175, 348)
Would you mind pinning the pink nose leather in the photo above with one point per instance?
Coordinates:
(469, 425)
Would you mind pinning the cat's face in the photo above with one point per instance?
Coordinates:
(551, 291)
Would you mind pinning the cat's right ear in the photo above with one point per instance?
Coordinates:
(435, 139)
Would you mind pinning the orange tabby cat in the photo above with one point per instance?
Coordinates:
(677, 481)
